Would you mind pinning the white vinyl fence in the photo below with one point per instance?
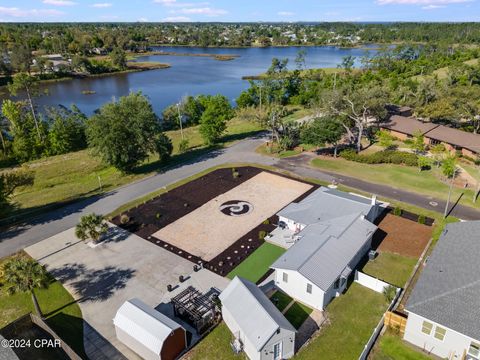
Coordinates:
(370, 282)
(378, 286)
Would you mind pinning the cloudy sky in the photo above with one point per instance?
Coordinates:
(239, 10)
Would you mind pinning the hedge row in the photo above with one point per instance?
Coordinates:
(382, 157)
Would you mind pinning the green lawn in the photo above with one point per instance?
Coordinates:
(281, 300)
(268, 151)
(392, 268)
(215, 345)
(75, 175)
(398, 176)
(297, 314)
(353, 317)
(62, 312)
(258, 263)
(392, 347)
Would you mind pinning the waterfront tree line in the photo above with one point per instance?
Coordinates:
(21, 44)
(441, 84)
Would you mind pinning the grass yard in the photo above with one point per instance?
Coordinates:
(397, 176)
(76, 175)
(297, 314)
(258, 263)
(353, 317)
(268, 151)
(58, 306)
(281, 300)
(215, 345)
(392, 347)
(392, 268)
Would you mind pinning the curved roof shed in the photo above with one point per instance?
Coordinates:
(149, 333)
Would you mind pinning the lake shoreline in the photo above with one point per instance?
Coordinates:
(132, 68)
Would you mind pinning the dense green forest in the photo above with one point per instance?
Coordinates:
(85, 39)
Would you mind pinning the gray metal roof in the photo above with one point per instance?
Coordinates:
(325, 249)
(448, 290)
(254, 313)
(325, 204)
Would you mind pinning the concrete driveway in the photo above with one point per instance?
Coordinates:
(102, 278)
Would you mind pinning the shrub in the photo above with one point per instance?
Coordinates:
(261, 235)
(183, 146)
(389, 292)
(124, 219)
(266, 222)
(382, 157)
(158, 215)
(235, 173)
(421, 219)
(397, 211)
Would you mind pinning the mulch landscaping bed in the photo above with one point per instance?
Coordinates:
(148, 218)
(401, 236)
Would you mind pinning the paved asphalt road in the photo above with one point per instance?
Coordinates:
(51, 223)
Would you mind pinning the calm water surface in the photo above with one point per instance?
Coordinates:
(188, 75)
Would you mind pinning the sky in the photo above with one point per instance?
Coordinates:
(237, 10)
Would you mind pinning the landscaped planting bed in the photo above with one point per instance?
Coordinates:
(162, 219)
(401, 236)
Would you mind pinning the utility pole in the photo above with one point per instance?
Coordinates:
(100, 182)
(447, 205)
(180, 120)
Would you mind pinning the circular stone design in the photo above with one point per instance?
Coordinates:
(236, 208)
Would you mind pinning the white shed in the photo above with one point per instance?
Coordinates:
(148, 332)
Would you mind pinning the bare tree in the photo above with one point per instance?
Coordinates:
(359, 109)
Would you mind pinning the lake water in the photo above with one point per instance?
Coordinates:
(188, 75)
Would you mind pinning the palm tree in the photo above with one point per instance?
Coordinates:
(26, 275)
(91, 226)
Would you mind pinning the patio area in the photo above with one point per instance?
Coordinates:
(284, 238)
(101, 279)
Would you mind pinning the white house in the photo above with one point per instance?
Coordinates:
(259, 328)
(444, 307)
(149, 333)
(330, 232)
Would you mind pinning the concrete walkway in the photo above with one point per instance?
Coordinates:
(310, 326)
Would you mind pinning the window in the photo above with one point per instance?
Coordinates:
(439, 333)
(309, 288)
(474, 350)
(427, 327)
(285, 277)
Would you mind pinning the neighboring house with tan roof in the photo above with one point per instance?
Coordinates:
(403, 128)
(444, 307)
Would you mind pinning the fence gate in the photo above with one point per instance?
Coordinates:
(395, 321)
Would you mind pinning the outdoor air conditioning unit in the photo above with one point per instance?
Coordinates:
(372, 254)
